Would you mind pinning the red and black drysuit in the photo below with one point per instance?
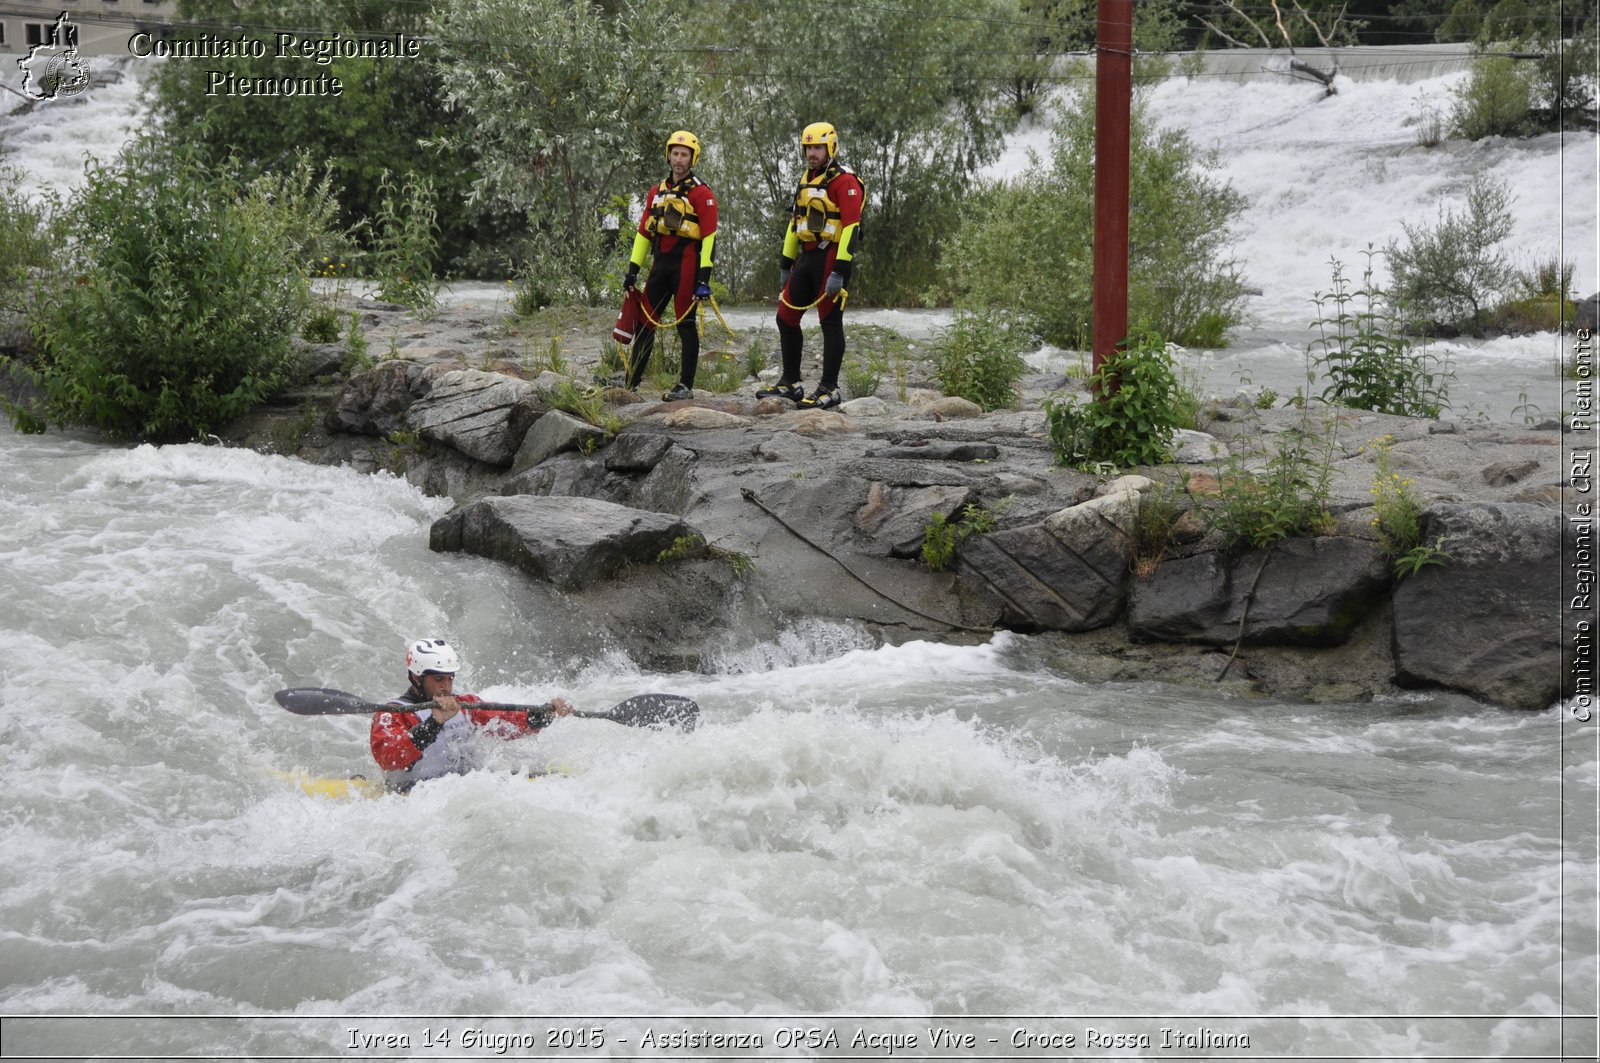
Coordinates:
(821, 239)
(680, 223)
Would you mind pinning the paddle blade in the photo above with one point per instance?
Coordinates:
(656, 710)
(320, 701)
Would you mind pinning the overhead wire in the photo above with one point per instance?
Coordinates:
(896, 43)
(913, 33)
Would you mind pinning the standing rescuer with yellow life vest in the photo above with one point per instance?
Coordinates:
(680, 223)
(814, 267)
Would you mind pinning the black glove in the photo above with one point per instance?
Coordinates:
(835, 283)
(630, 281)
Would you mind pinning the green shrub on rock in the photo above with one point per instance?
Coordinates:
(180, 295)
(978, 358)
(1130, 425)
(1276, 488)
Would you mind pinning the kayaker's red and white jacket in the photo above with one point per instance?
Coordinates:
(410, 747)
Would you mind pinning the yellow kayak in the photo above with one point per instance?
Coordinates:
(335, 788)
(351, 787)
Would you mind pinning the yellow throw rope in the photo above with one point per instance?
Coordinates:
(623, 353)
(715, 309)
(644, 308)
(839, 301)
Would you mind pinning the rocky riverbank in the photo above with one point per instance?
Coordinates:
(676, 531)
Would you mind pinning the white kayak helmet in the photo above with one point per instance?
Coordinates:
(431, 655)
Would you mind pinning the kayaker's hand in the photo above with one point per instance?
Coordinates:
(561, 706)
(445, 707)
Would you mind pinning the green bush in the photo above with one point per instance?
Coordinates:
(1368, 363)
(863, 375)
(182, 292)
(1131, 425)
(1451, 275)
(978, 358)
(1541, 301)
(1397, 516)
(1274, 492)
(1028, 245)
(27, 243)
(405, 241)
(1493, 101)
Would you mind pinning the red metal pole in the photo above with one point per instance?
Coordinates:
(1113, 82)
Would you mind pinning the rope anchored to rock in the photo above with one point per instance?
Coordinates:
(750, 496)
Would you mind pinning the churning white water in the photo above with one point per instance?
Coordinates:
(957, 836)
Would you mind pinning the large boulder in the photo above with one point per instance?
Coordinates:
(374, 403)
(1484, 621)
(1299, 592)
(568, 542)
(1068, 572)
(482, 415)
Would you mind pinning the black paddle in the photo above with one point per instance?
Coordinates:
(641, 710)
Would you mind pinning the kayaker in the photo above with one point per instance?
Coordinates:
(411, 747)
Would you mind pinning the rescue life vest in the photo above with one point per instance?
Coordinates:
(816, 217)
(673, 213)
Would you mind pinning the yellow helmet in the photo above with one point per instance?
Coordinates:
(820, 133)
(684, 138)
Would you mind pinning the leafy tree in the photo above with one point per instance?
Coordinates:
(979, 358)
(911, 90)
(1028, 245)
(1494, 101)
(387, 108)
(567, 106)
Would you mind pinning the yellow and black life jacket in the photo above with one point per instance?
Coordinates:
(673, 213)
(816, 217)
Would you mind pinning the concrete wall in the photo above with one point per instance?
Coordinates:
(104, 26)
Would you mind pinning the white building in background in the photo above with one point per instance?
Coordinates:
(94, 27)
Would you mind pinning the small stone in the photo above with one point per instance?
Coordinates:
(953, 408)
(1506, 473)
